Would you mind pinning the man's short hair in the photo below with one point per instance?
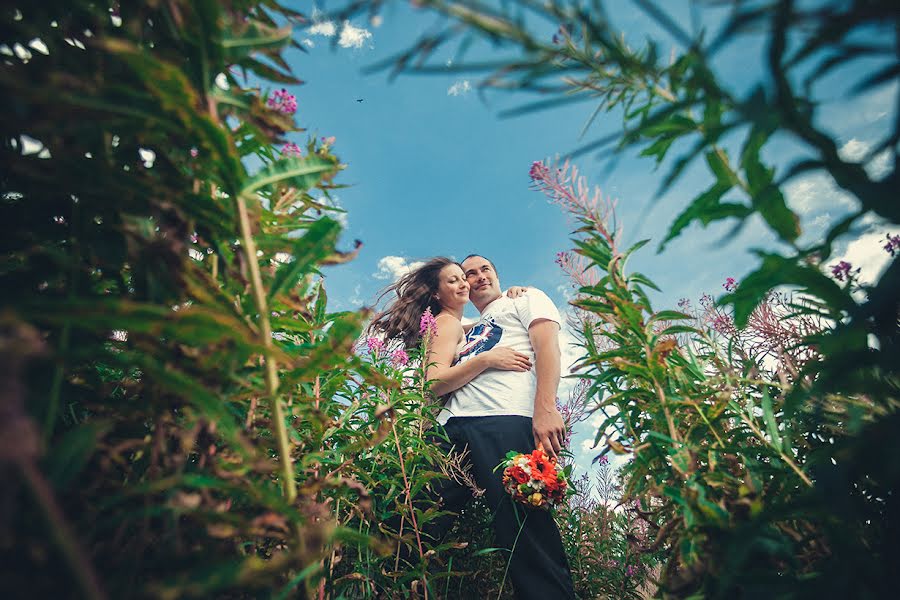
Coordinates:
(479, 256)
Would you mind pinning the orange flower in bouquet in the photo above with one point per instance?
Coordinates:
(535, 479)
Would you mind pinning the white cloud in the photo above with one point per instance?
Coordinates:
(321, 26)
(395, 267)
(460, 88)
(376, 20)
(568, 345)
(821, 222)
(353, 37)
(856, 151)
(587, 445)
(309, 43)
(816, 193)
(867, 253)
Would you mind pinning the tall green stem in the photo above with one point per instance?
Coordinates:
(289, 486)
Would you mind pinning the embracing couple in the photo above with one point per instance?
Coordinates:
(501, 378)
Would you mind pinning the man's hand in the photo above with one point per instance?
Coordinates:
(548, 429)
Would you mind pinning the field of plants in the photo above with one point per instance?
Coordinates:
(184, 415)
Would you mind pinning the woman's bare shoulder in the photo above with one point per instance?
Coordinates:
(448, 321)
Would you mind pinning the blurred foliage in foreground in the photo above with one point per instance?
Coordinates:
(181, 415)
(763, 458)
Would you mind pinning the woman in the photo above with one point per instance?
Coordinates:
(440, 285)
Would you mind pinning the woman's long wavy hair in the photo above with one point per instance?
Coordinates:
(415, 293)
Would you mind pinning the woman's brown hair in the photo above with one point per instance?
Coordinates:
(415, 293)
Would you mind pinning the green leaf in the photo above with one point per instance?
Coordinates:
(765, 196)
(669, 315)
(317, 243)
(72, 451)
(777, 270)
(769, 416)
(707, 207)
(302, 173)
(255, 37)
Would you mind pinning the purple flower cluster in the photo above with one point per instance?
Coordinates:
(538, 171)
(730, 284)
(843, 271)
(427, 324)
(283, 102)
(375, 344)
(891, 244)
(631, 571)
(399, 358)
(291, 149)
(604, 460)
(721, 324)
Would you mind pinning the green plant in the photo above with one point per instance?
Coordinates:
(765, 479)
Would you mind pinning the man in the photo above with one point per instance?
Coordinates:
(499, 411)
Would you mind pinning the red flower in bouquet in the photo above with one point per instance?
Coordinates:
(534, 479)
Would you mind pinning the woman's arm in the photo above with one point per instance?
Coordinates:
(442, 350)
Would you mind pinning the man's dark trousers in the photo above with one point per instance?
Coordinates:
(538, 568)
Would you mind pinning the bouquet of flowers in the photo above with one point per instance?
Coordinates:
(534, 479)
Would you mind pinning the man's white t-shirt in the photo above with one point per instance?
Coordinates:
(504, 322)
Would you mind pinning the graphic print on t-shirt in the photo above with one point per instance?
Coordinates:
(481, 338)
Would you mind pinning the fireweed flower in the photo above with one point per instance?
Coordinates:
(399, 358)
(283, 102)
(730, 284)
(291, 149)
(721, 324)
(630, 571)
(891, 244)
(843, 270)
(538, 171)
(427, 324)
(604, 460)
(375, 344)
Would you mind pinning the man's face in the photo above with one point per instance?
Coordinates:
(483, 281)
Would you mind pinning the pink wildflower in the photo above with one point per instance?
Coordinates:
(538, 171)
(427, 324)
(631, 570)
(730, 284)
(843, 270)
(721, 324)
(291, 149)
(604, 460)
(892, 243)
(283, 102)
(194, 153)
(684, 304)
(375, 344)
(399, 358)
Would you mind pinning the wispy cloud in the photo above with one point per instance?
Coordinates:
(460, 88)
(395, 267)
(321, 26)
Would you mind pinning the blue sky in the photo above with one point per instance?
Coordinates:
(432, 170)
